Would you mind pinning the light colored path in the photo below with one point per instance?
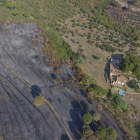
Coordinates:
(53, 109)
(122, 4)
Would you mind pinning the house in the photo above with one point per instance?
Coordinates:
(116, 76)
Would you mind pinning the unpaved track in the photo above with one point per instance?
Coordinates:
(51, 106)
(24, 73)
(122, 4)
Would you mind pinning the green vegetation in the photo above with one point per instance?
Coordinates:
(120, 102)
(15, 12)
(113, 133)
(88, 80)
(88, 134)
(53, 13)
(133, 84)
(135, 1)
(102, 133)
(10, 5)
(26, 13)
(87, 118)
(131, 63)
(95, 89)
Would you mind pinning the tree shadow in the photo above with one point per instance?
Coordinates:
(64, 137)
(77, 123)
(35, 90)
(130, 2)
(53, 76)
(107, 70)
(83, 93)
(124, 8)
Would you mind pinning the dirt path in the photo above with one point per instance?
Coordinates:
(51, 106)
(122, 4)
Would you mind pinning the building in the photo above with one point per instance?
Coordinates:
(116, 76)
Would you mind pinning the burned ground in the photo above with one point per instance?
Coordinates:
(23, 68)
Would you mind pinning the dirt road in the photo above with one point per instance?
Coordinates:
(125, 5)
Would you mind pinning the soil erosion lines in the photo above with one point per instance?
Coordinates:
(51, 106)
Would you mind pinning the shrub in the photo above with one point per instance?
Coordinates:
(15, 12)
(79, 61)
(87, 118)
(113, 133)
(10, 5)
(99, 107)
(95, 89)
(96, 116)
(67, 36)
(102, 133)
(26, 13)
(90, 97)
(39, 100)
(120, 102)
(133, 84)
(87, 80)
(88, 133)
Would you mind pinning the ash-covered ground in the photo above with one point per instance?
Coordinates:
(20, 119)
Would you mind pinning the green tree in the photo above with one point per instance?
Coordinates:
(120, 102)
(113, 133)
(87, 118)
(88, 134)
(96, 116)
(133, 84)
(102, 133)
(136, 71)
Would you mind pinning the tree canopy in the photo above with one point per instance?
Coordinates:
(87, 118)
(88, 134)
(96, 116)
(120, 102)
(133, 84)
(99, 107)
(131, 63)
(113, 133)
(39, 100)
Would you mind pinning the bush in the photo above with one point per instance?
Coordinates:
(15, 12)
(120, 102)
(99, 107)
(26, 13)
(133, 84)
(95, 89)
(87, 118)
(96, 116)
(102, 133)
(39, 100)
(10, 5)
(87, 80)
(88, 133)
(113, 133)
(79, 62)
